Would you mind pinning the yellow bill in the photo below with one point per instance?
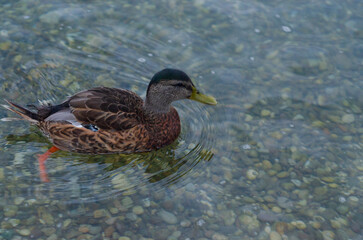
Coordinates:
(199, 97)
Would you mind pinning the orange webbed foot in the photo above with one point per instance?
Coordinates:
(42, 158)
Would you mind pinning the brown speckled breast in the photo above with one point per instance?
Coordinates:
(164, 129)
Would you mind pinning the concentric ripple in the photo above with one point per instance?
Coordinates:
(109, 54)
(86, 178)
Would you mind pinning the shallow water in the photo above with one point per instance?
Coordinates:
(280, 156)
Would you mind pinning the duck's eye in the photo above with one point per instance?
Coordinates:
(179, 85)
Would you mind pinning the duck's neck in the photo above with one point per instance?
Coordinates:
(157, 105)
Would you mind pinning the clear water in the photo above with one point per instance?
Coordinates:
(280, 156)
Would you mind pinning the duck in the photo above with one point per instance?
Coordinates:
(105, 120)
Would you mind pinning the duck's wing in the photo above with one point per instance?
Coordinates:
(107, 108)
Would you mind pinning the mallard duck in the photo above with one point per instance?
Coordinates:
(110, 120)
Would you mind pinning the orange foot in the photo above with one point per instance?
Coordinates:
(41, 160)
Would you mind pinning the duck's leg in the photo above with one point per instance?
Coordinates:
(41, 160)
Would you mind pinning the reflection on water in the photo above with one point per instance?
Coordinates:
(87, 178)
(280, 156)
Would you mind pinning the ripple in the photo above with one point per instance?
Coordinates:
(85, 178)
(108, 54)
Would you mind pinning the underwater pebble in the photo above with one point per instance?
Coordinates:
(127, 202)
(266, 164)
(210, 213)
(342, 199)
(228, 217)
(283, 174)
(146, 202)
(5, 46)
(131, 216)
(120, 181)
(348, 118)
(218, 236)
(239, 48)
(342, 209)
(320, 191)
(298, 117)
(14, 222)
(19, 158)
(269, 198)
(66, 223)
(99, 213)
(124, 238)
(246, 146)
(328, 179)
(50, 18)
(328, 235)
(19, 200)
(114, 210)
(49, 231)
(353, 201)
(276, 209)
(347, 138)
(296, 182)
(175, 235)
(95, 229)
(24, 232)
(275, 236)
(111, 220)
(299, 224)
(281, 227)
(250, 222)
(185, 223)
(83, 229)
(10, 211)
(286, 29)
(138, 210)
(168, 217)
(284, 202)
(302, 202)
(200, 222)
(251, 174)
(335, 224)
(53, 237)
(265, 113)
(315, 224)
(109, 231)
(248, 118)
(267, 216)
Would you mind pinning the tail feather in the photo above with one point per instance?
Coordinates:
(23, 112)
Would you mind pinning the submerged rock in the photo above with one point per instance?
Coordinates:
(348, 118)
(267, 216)
(251, 174)
(275, 236)
(168, 217)
(284, 202)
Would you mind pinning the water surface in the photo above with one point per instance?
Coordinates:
(280, 156)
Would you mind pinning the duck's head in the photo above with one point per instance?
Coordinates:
(170, 85)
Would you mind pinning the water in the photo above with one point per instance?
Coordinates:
(279, 156)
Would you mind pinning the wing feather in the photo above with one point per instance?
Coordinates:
(107, 108)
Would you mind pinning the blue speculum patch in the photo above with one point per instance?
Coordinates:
(91, 127)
